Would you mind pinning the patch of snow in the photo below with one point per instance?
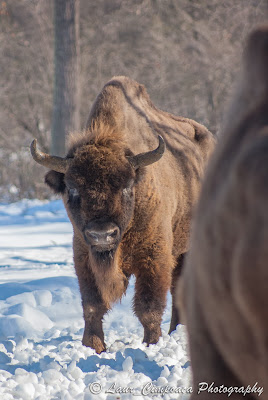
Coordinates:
(41, 322)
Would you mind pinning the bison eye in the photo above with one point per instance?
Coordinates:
(73, 193)
(128, 189)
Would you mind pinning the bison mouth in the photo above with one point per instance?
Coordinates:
(103, 257)
(103, 249)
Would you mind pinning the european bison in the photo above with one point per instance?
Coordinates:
(225, 280)
(130, 210)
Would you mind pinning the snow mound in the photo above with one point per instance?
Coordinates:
(41, 323)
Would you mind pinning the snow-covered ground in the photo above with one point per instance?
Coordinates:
(41, 323)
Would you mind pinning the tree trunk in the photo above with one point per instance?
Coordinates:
(66, 104)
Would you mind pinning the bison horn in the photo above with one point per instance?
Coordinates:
(150, 157)
(53, 162)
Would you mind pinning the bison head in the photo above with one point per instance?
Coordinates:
(97, 182)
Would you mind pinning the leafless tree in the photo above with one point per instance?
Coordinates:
(66, 101)
(185, 52)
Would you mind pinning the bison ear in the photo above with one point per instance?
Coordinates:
(55, 180)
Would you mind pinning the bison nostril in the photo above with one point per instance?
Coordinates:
(92, 235)
(114, 233)
(102, 236)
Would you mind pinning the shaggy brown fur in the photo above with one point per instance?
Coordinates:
(152, 206)
(225, 290)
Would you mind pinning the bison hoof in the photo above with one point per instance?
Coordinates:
(95, 343)
(152, 337)
(172, 329)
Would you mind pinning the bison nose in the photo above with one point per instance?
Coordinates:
(101, 236)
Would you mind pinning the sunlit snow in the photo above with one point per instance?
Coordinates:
(41, 323)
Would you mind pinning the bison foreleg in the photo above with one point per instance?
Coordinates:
(149, 303)
(93, 310)
(93, 334)
(92, 302)
(175, 317)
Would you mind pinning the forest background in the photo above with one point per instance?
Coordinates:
(187, 54)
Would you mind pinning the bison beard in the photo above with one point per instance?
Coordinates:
(110, 280)
(130, 202)
(103, 258)
(102, 261)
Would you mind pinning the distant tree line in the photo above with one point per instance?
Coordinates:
(185, 52)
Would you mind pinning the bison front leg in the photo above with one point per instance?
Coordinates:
(93, 312)
(93, 306)
(150, 301)
(93, 333)
(175, 317)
